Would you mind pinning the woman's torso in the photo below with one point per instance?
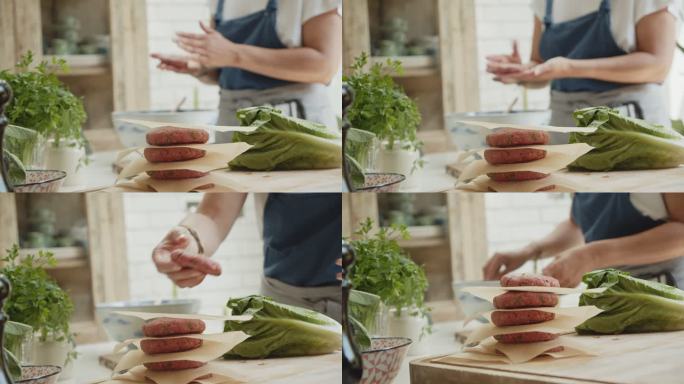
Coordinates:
(610, 216)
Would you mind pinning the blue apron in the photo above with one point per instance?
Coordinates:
(302, 237)
(612, 215)
(587, 37)
(257, 29)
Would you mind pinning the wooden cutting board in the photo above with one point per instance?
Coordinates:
(301, 370)
(624, 359)
(656, 180)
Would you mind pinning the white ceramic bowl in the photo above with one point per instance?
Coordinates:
(120, 328)
(467, 137)
(132, 135)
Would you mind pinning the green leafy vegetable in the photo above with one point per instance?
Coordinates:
(42, 102)
(358, 177)
(631, 304)
(678, 125)
(279, 330)
(361, 337)
(364, 307)
(36, 298)
(383, 268)
(380, 105)
(285, 143)
(17, 171)
(19, 146)
(625, 143)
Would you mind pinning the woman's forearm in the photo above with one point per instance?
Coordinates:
(632, 68)
(214, 218)
(662, 243)
(565, 236)
(300, 65)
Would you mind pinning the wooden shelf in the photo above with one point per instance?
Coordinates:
(426, 236)
(413, 66)
(67, 257)
(82, 65)
(85, 71)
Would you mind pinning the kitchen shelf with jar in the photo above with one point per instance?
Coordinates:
(413, 66)
(418, 32)
(91, 268)
(104, 42)
(67, 257)
(81, 65)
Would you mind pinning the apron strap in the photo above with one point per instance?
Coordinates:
(219, 12)
(548, 17)
(272, 5)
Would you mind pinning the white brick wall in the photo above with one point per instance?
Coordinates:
(165, 17)
(499, 22)
(149, 217)
(516, 219)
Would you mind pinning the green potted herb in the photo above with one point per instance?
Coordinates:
(382, 107)
(37, 300)
(43, 104)
(384, 269)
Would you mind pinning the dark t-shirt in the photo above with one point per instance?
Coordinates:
(302, 238)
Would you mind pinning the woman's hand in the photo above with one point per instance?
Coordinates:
(556, 68)
(510, 261)
(210, 49)
(570, 266)
(177, 257)
(179, 64)
(499, 65)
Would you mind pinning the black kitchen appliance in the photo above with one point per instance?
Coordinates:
(5, 377)
(347, 101)
(352, 363)
(5, 97)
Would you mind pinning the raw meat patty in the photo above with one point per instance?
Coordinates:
(522, 317)
(516, 176)
(525, 337)
(509, 137)
(168, 155)
(178, 344)
(166, 326)
(527, 280)
(515, 300)
(176, 174)
(165, 136)
(177, 365)
(513, 155)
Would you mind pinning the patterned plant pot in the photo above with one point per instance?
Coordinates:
(382, 361)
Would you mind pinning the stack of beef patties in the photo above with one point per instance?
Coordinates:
(168, 335)
(512, 146)
(517, 306)
(170, 145)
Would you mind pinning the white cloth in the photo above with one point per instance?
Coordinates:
(650, 204)
(625, 14)
(292, 14)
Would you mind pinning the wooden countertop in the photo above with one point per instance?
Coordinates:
(623, 359)
(99, 174)
(434, 178)
(303, 370)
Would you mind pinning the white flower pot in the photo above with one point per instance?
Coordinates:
(399, 160)
(53, 353)
(67, 157)
(409, 326)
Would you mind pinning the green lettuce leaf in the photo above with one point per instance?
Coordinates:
(625, 143)
(279, 330)
(285, 143)
(631, 304)
(361, 337)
